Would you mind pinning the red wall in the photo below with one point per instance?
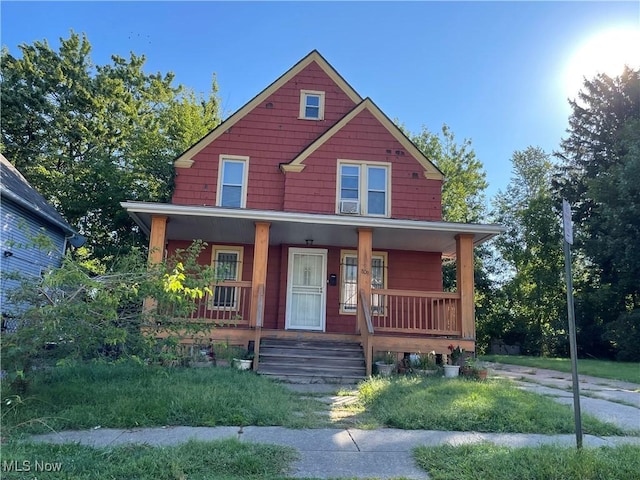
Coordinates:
(269, 136)
(272, 136)
(412, 195)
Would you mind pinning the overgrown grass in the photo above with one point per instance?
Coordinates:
(486, 461)
(626, 371)
(131, 395)
(219, 460)
(465, 405)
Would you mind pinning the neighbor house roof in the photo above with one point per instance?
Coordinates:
(15, 187)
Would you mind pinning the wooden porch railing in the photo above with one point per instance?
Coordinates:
(406, 311)
(230, 304)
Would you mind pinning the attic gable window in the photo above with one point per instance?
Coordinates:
(311, 105)
(232, 181)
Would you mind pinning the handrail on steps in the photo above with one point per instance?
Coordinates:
(259, 324)
(366, 332)
(367, 311)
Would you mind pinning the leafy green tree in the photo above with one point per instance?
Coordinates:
(599, 163)
(90, 136)
(531, 249)
(86, 310)
(463, 191)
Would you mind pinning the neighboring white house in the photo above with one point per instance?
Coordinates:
(25, 214)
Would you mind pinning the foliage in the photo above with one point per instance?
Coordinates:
(456, 354)
(599, 167)
(465, 179)
(624, 334)
(533, 298)
(546, 462)
(228, 459)
(388, 358)
(425, 361)
(90, 136)
(84, 310)
(457, 404)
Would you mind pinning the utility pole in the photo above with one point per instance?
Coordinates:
(568, 241)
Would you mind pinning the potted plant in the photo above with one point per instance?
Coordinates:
(244, 360)
(452, 369)
(425, 363)
(475, 368)
(387, 364)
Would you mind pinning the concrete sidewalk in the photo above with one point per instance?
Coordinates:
(329, 453)
(386, 453)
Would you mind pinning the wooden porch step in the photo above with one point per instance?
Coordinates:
(312, 361)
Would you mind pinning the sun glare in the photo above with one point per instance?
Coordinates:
(605, 52)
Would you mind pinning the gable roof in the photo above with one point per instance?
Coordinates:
(430, 170)
(15, 187)
(185, 160)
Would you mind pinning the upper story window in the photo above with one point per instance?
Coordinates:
(364, 188)
(232, 181)
(311, 105)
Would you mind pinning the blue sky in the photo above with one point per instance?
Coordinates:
(493, 71)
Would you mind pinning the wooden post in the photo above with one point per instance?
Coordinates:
(365, 245)
(157, 239)
(259, 275)
(465, 285)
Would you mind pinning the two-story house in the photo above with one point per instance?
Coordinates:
(326, 220)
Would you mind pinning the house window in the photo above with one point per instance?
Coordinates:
(363, 188)
(227, 262)
(311, 105)
(232, 181)
(349, 278)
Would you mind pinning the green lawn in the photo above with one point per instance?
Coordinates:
(218, 460)
(131, 395)
(626, 371)
(486, 461)
(466, 405)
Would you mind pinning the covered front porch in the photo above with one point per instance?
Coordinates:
(264, 302)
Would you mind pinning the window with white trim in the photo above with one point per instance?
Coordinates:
(232, 181)
(311, 105)
(349, 278)
(363, 188)
(227, 262)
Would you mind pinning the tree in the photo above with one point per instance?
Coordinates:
(88, 137)
(532, 250)
(86, 310)
(463, 198)
(599, 163)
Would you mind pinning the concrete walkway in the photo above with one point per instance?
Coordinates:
(386, 453)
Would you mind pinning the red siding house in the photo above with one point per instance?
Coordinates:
(326, 220)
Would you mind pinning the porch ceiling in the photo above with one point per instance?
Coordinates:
(227, 225)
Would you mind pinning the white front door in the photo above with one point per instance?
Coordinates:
(306, 289)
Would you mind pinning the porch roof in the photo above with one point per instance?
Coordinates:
(232, 225)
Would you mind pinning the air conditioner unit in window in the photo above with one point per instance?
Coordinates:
(349, 206)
